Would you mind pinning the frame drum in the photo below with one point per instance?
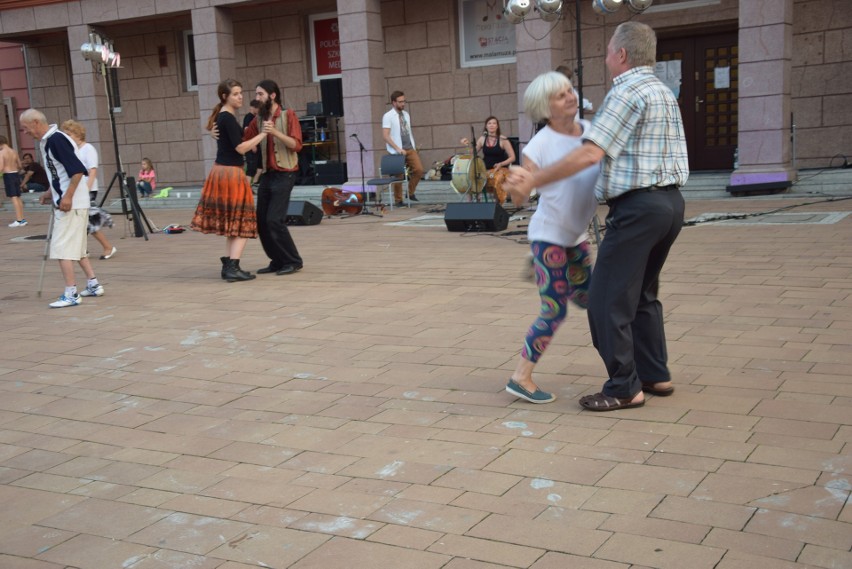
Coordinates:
(463, 174)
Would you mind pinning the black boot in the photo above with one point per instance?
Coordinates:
(233, 272)
(224, 264)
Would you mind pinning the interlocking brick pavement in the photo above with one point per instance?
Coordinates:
(353, 415)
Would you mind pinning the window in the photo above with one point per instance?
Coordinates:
(189, 61)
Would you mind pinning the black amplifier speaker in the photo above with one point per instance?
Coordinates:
(331, 173)
(303, 213)
(476, 217)
(331, 91)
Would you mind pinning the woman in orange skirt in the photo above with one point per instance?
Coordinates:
(226, 206)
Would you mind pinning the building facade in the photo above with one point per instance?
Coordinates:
(764, 81)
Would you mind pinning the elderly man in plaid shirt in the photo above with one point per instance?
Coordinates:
(638, 137)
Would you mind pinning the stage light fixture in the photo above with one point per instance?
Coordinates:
(517, 10)
(639, 6)
(99, 51)
(604, 7)
(548, 6)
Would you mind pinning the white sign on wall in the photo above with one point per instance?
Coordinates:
(485, 37)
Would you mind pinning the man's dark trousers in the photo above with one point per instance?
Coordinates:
(625, 317)
(273, 199)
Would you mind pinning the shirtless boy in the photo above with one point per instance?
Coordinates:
(10, 164)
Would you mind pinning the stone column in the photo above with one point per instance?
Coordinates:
(92, 108)
(535, 57)
(765, 70)
(213, 35)
(364, 99)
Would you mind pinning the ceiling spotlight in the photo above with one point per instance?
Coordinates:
(639, 6)
(517, 10)
(100, 53)
(548, 6)
(604, 7)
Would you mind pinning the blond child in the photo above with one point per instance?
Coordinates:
(146, 183)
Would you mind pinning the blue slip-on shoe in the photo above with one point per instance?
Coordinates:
(539, 396)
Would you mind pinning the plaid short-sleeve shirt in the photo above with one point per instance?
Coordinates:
(640, 129)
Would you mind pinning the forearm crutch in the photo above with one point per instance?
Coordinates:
(47, 239)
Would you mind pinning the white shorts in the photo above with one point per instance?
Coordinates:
(69, 240)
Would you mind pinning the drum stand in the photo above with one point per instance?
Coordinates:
(365, 210)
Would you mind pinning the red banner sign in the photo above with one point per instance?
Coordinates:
(326, 47)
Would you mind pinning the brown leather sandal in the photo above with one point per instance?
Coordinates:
(601, 402)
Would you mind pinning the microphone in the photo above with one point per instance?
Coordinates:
(353, 135)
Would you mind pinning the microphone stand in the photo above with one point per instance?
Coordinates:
(365, 210)
(475, 155)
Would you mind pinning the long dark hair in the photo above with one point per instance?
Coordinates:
(222, 90)
(270, 87)
(485, 126)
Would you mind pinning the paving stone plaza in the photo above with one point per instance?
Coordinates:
(353, 415)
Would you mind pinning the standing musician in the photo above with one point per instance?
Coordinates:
(280, 160)
(497, 153)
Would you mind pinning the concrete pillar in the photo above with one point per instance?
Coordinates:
(92, 108)
(765, 70)
(213, 35)
(534, 57)
(364, 98)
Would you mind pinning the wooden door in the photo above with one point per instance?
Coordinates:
(708, 96)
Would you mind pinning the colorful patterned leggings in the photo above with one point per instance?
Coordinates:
(562, 274)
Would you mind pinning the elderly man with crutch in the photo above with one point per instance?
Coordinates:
(67, 237)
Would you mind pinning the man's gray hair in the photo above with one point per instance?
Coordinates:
(638, 40)
(538, 94)
(33, 115)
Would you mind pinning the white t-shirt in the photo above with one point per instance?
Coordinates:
(391, 120)
(89, 157)
(565, 207)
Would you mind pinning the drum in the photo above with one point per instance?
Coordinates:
(494, 183)
(463, 174)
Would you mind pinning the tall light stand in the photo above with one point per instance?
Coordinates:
(126, 194)
(100, 52)
(578, 37)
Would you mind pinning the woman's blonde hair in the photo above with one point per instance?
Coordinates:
(538, 94)
(73, 127)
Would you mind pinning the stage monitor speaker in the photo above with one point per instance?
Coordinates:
(303, 213)
(476, 217)
(332, 97)
(330, 173)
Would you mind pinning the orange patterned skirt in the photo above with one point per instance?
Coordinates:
(226, 206)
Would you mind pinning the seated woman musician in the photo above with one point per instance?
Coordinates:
(498, 154)
(497, 151)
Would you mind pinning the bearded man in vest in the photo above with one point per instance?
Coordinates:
(280, 156)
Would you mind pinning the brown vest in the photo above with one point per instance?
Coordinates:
(285, 158)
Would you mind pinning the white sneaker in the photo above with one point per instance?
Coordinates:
(89, 291)
(17, 223)
(66, 301)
